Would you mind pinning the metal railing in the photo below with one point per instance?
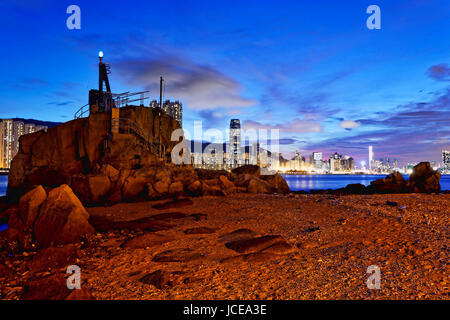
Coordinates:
(120, 100)
(82, 111)
(124, 99)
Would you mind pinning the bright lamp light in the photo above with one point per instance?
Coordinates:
(100, 54)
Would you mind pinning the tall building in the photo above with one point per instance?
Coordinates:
(7, 142)
(10, 132)
(445, 160)
(172, 108)
(335, 162)
(39, 128)
(30, 128)
(347, 164)
(370, 158)
(19, 130)
(316, 160)
(235, 143)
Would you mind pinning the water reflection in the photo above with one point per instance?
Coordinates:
(315, 182)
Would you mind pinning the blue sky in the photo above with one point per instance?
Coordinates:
(311, 69)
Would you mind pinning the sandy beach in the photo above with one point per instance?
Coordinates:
(332, 241)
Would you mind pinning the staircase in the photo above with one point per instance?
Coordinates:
(128, 126)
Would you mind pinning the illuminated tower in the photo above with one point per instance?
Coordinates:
(370, 158)
(445, 160)
(235, 142)
(7, 143)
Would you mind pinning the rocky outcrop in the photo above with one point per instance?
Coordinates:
(422, 180)
(393, 183)
(104, 169)
(108, 185)
(79, 147)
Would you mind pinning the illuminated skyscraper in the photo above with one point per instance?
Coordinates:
(370, 158)
(30, 128)
(172, 108)
(19, 130)
(235, 142)
(335, 162)
(445, 160)
(10, 132)
(316, 160)
(7, 142)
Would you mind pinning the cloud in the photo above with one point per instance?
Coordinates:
(199, 87)
(212, 119)
(62, 103)
(348, 124)
(285, 141)
(294, 126)
(410, 133)
(440, 72)
(31, 83)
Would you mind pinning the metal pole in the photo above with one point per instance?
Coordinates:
(160, 108)
(100, 78)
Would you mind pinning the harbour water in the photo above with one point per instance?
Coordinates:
(336, 181)
(306, 182)
(3, 185)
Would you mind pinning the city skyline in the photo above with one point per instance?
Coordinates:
(320, 76)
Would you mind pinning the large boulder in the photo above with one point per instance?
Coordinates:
(277, 182)
(242, 180)
(226, 183)
(29, 205)
(424, 179)
(248, 169)
(162, 186)
(176, 188)
(392, 183)
(194, 188)
(354, 188)
(134, 188)
(62, 219)
(258, 186)
(208, 190)
(91, 189)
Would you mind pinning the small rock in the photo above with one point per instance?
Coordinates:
(80, 294)
(160, 279)
(200, 230)
(255, 244)
(177, 255)
(392, 203)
